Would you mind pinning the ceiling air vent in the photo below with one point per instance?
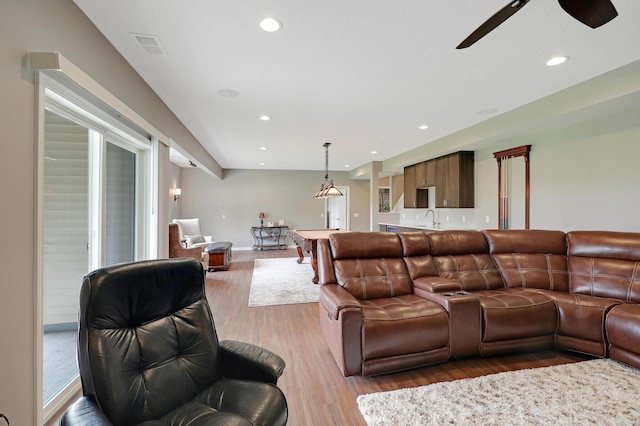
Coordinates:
(150, 43)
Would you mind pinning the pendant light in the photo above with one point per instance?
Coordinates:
(327, 189)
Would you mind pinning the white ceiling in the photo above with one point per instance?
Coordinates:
(361, 74)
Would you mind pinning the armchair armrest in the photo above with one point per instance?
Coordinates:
(245, 361)
(435, 285)
(335, 298)
(84, 411)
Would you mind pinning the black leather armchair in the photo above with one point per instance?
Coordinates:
(149, 354)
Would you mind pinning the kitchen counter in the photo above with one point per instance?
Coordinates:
(397, 227)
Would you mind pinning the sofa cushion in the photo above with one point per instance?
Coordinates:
(605, 264)
(195, 239)
(457, 243)
(515, 313)
(402, 325)
(581, 321)
(364, 245)
(623, 331)
(373, 278)
(463, 256)
(528, 270)
(416, 252)
(414, 243)
(472, 271)
(526, 241)
(530, 258)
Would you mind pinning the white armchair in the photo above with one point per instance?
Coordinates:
(190, 233)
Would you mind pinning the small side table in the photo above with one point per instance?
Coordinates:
(269, 237)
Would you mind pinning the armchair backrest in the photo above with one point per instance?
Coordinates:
(417, 254)
(530, 258)
(369, 265)
(463, 256)
(605, 264)
(147, 343)
(188, 226)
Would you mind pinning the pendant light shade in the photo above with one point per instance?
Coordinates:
(327, 189)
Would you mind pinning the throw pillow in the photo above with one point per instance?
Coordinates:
(195, 239)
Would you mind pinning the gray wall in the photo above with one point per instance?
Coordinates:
(578, 181)
(281, 194)
(175, 181)
(44, 26)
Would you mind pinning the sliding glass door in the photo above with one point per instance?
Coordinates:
(120, 211)
(94, 204)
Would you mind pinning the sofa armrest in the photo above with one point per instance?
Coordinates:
(84, 411)
(208, 238)
(436, 285)
(335, 298)
(246, 361)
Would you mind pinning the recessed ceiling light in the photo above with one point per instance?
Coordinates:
(227, 93)
(262, 164)
(557, 60)
(270, 25)
(263, 148)
(423, 127)
(346, 165)
(374, 152)
(265, 118)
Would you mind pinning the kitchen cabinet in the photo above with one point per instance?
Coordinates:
(410, 187)
(426, 174)
(455, 180)
(414, 197)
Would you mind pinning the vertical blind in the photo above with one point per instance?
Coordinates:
(66, 216)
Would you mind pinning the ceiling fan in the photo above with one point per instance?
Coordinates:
(590, 12)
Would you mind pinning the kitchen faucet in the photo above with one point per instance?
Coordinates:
(434, 224)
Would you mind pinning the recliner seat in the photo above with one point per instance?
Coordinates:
(369, 315)
(149, 354)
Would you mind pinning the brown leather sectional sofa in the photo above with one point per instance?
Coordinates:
(390, 301)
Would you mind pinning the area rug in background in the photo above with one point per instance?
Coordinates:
(596, 392)
(282, 281)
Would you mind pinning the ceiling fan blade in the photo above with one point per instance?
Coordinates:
(491, 23)
(592, 13)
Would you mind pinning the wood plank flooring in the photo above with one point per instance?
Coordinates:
(316, 391)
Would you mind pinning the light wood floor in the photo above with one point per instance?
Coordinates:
(316, 391)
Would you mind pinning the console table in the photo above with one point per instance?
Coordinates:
(269, 237)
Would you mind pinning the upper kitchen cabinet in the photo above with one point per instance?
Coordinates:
(410, 187)
(454, 177)
(414, 197)
(426, 174)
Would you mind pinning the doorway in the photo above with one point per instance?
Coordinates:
(337, 216)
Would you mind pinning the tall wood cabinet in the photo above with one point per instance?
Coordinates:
(455, 180)
(414, 196)
(410, 187)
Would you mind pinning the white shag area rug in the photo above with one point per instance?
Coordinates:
(596, 392)
(282, 281)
